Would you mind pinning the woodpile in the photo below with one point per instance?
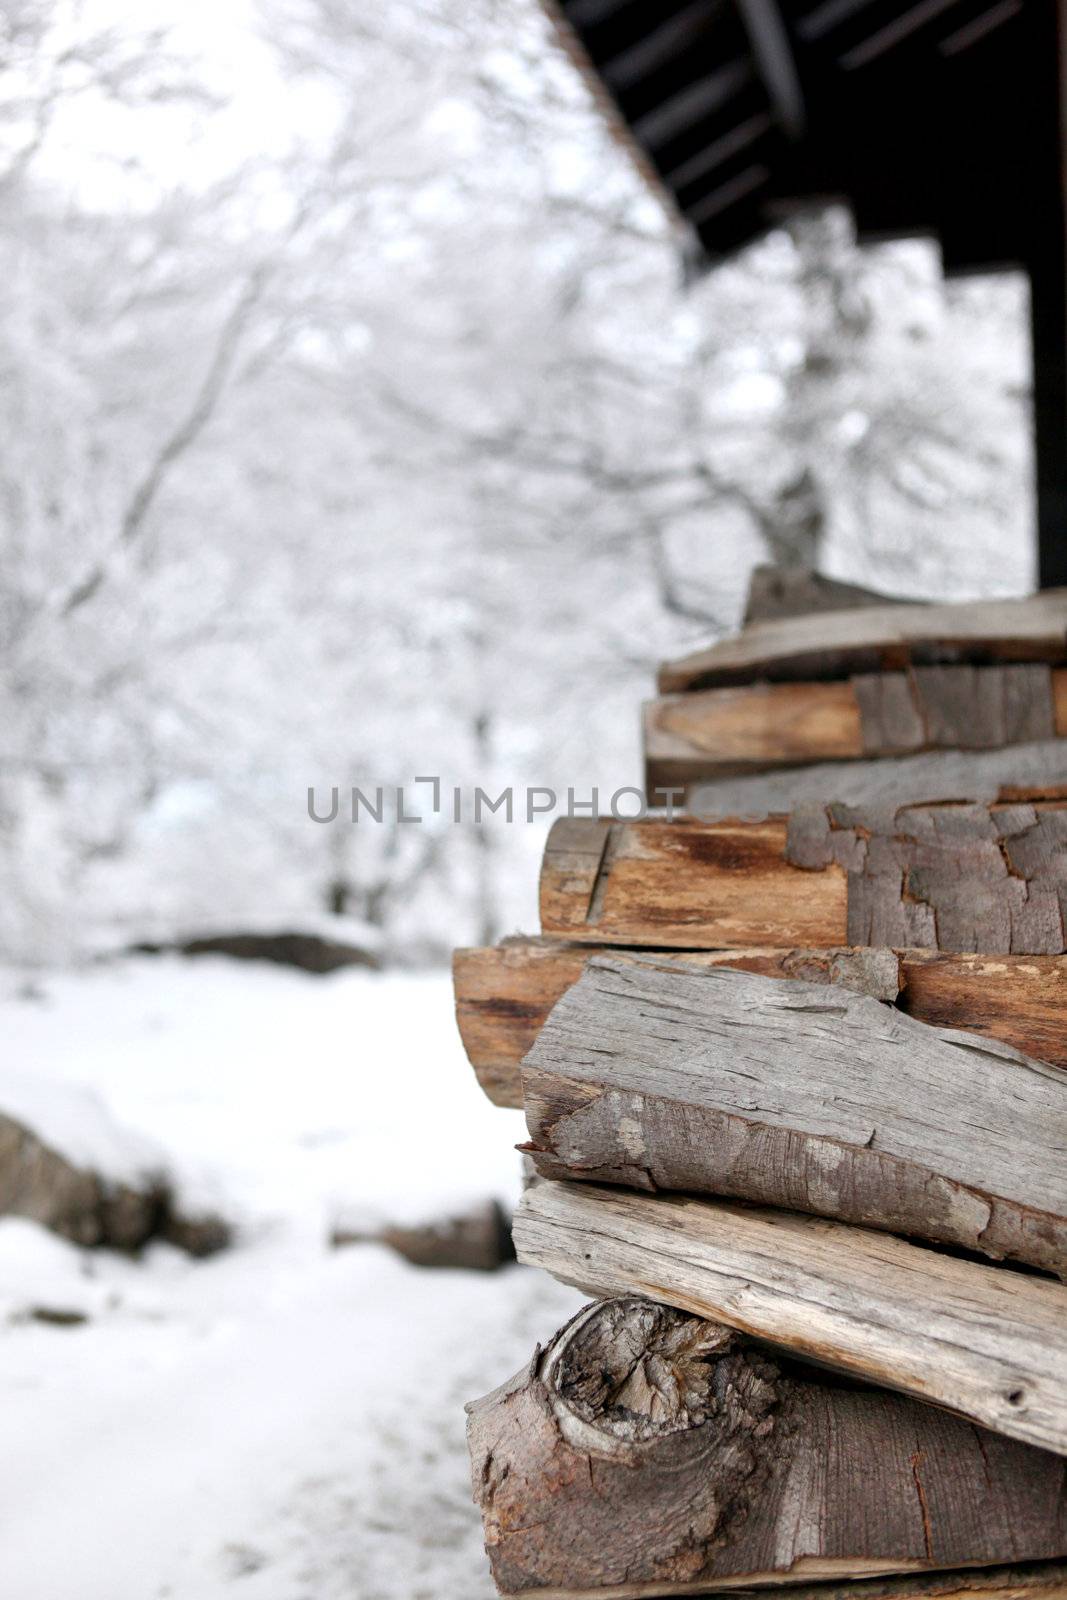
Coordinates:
(795, 1089)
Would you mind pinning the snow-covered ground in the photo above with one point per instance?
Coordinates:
(283, 1421)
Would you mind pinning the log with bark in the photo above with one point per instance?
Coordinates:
(504, 994)
(987, 1342)
(984, 878)
(659, 1075)
(880, 639)
(648, 1451)
(691, 738)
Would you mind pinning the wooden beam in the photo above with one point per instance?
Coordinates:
(650, 1452)
(942, 877)
(712, 733)
(879, 639)
(986, 1342)
(659, 1075)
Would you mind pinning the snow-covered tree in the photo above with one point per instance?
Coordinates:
(359, 426)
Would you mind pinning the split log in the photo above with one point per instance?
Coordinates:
(505, 993)
(987, 1342)
(650, 1452)
(693, 738)
(775, 592)
(661, 1076)
(989, 879)
(880, 639)
(931, 776)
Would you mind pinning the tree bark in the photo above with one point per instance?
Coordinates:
(986, 1342)
(879, 639)
(658, 1075)
(650, 1452)
(989, 879)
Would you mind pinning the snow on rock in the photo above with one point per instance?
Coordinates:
(73, 1120)
(285, 1413)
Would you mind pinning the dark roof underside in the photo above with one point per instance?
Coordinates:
(927, 117)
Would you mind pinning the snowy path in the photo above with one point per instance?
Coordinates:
(283, 1422)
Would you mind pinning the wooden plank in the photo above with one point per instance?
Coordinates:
(504, 994)
(987, 1342)
(648, 1452)
(879, 639)
(692, 738)
(989, 879)
(659, 1075)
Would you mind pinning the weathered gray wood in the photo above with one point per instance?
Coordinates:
(975, 775)
(661, 1075)
(504, 993)
(879, 639)
(987, 1342)
(650, 1452)
(758, 727)
(1039, 1580)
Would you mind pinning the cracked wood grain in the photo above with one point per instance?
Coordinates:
(986, 1342)
(505, 993)
(659, 1075)
(952, 877)
(648, 1451)
(958, 877)
(880, 639)
(931, 776)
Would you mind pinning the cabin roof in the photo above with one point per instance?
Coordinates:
(922, 116)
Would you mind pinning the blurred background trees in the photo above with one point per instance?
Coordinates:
(359, 423)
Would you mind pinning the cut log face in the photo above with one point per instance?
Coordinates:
(651, 1452)
(660, 1075)
(701, 736)
(989, 879)
(983, 1341)
(880, 639)
(504, 994)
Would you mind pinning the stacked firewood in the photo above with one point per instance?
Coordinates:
(792, 1063)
